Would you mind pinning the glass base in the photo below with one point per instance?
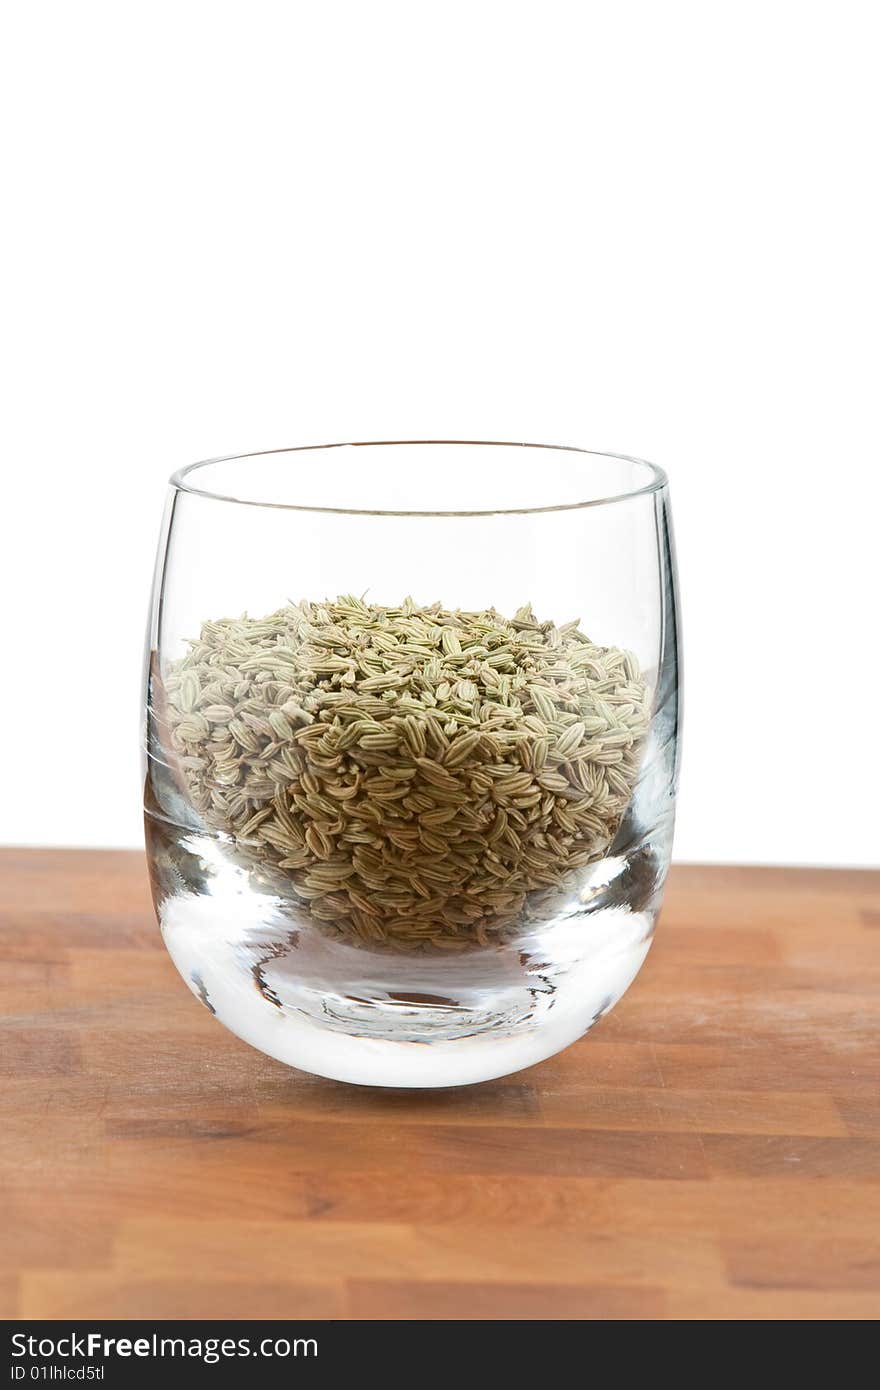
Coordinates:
(377, 1016)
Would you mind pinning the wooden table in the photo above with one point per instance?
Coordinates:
(711, 1150)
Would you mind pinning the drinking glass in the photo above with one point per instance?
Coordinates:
(487, 914)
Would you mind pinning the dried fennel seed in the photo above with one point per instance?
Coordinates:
(416, 772)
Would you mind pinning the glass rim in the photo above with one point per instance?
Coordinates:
(657, 480)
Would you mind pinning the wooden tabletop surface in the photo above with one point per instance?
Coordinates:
(711, 1150)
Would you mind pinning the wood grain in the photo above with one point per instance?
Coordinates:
(710, 1151)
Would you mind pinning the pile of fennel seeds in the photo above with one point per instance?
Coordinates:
(415, 772)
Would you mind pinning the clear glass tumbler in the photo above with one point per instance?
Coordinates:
(412, 715)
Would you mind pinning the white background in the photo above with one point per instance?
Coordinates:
(637, 226)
